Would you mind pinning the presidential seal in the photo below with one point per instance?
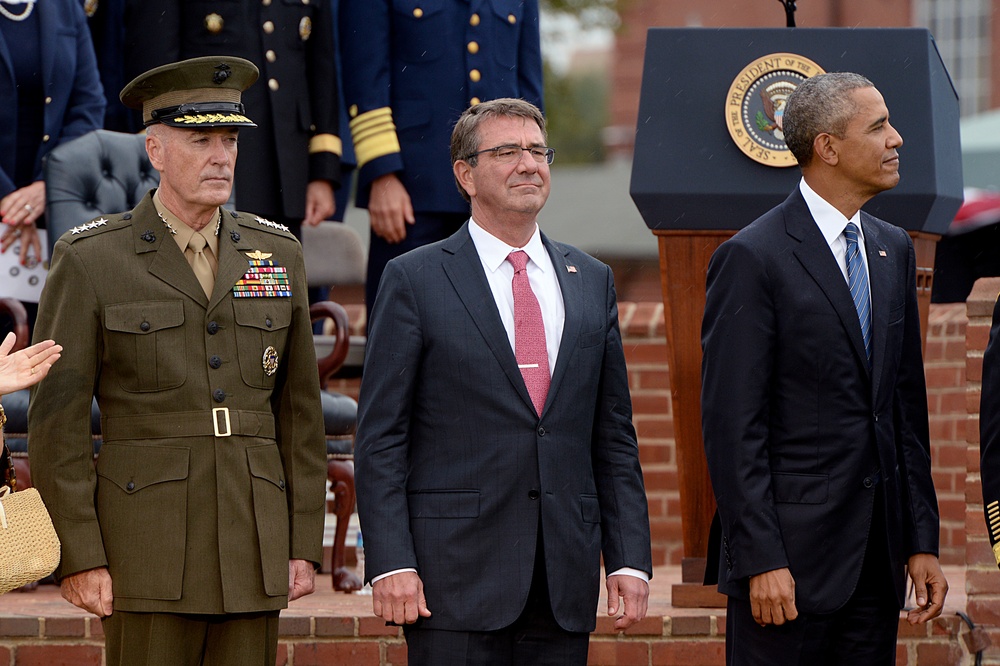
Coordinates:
(756, 102)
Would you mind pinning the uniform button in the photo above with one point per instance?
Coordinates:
(875, 416)
(473, 101)
(868, 483)
(48, 100)
(511, 19)
(215, 362)
(418, 12)
(219, 395)
(533, 494)
(46, 138)
(130, 486)
(272, 84)
(268, 322)
(212, 328)
(474, 75)
(266, 3)
(473, 47)
(281, 483)
(541, 431)
(268, 27)
(144, 326)
(353, 110)
(271, 55)
(474, 20)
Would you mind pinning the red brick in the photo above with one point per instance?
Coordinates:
(953, 402)
(6, 658)
(974, 492)
(282, 657)
(65, 626)
(376, 626)
(645, 352)
(902, 657)
(658, 477)
(294, 626)
(654, 426)
(704, 652)
(337, 652)
(654, 379)
(950, 455)
(974, 368)
(907, 630)
(941, 376)
(59, 655)
(617, 653)
(395, 653)
(655, 453)
(653, 402)
(983, 610)
(982, 582)
(651, 625)
(979, 551)
(334, 626)
(691, 626)
(657, 507)
(939, 654)
(18, 626)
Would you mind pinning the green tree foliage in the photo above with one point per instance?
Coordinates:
(576, 109)
(589, 12)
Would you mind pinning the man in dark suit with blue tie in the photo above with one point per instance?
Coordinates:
(814, 408)
(496, 458)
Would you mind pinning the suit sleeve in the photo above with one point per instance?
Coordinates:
(620, 490)
(392, 368)
(61, 450)
(739, 345)
(365, 43)
(325, 147)
(920, 510)
(529, 64)
(300, 431)
(989, 434)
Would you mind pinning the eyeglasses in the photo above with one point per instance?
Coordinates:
(510, 154)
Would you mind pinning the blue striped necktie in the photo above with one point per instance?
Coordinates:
(857, 279)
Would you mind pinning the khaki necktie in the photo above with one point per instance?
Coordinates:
(199, 262)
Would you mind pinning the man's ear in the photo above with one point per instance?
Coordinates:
(826, 148)
(154, 149)
(463, 174)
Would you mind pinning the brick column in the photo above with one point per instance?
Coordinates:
(982, 579)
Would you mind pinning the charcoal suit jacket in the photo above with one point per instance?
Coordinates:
(800, 434)
(456, 474)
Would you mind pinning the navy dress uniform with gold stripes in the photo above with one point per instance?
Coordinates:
(295, 104)
(989, 434)
(411, 67)
(209, 488)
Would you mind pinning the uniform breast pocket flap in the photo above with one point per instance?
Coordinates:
(146, 344)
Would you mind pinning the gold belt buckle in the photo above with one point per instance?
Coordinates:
(215, 421)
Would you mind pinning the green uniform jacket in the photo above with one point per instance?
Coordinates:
(186, 520)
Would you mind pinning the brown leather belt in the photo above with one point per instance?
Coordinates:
(220, 422)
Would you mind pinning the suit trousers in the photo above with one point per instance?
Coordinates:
(534, 639)
(171, 639)
(428, 228)
(863, 631)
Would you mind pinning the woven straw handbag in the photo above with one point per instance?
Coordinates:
(29, 547)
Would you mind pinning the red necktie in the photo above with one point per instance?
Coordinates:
(529, 334)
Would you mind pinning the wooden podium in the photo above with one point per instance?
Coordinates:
(695, 186)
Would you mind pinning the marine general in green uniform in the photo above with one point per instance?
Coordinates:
(190, 324)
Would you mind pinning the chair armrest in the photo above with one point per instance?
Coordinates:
(19, 316)
(330, 363)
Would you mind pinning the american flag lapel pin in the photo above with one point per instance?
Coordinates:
(881, 253)
(571, 269)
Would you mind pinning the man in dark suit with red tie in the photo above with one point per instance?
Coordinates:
(496, 458)
(814, 408)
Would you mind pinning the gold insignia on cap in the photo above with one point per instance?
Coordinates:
(305, 28)
(214, 23)
(90, 8)
(257, 254)
(270, 361)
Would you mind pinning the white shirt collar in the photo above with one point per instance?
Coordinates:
(493, 251)
(831, 222)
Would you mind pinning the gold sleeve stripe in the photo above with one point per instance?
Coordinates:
(996, 552)
(993, 512)
(326, 143)
(993, 507)
(374, 135)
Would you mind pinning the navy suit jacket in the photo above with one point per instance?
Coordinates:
(71, 82)
(456, 474)
(799, 433)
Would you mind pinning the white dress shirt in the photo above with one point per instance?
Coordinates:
(831, 223)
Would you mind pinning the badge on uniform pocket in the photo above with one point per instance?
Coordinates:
(270, 361)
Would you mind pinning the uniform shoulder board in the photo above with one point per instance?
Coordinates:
(97, 226)
(257, 222)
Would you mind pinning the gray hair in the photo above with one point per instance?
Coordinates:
(465, 137)
(820, 104)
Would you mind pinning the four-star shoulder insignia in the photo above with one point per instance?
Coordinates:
(89, 226)
(268, 223)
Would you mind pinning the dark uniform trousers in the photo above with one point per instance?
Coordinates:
(861, 633)
(173, 639)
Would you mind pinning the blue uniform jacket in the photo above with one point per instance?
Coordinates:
(74, 96)
(411, 67)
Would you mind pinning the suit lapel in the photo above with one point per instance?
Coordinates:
(168, 263)
(233, 263)
(813, 252)
(465, 271)
(571, 285)
(878, 266)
